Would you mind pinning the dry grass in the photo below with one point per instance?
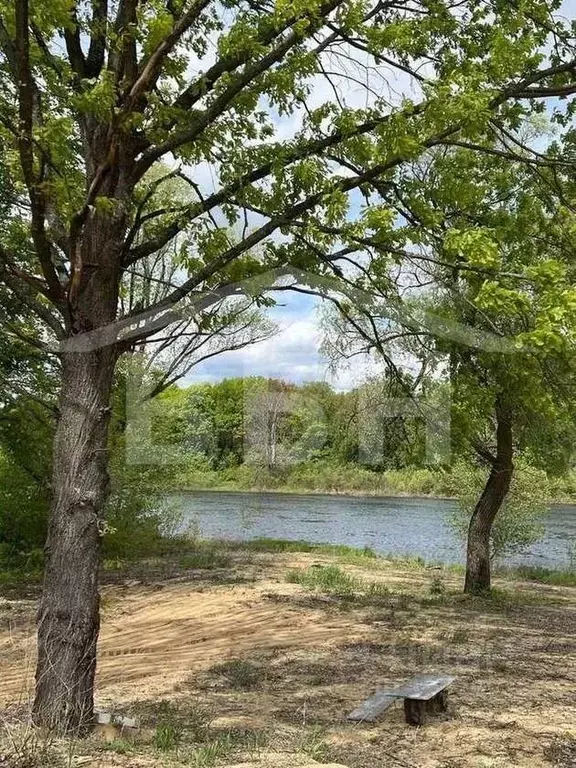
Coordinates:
(238, 665)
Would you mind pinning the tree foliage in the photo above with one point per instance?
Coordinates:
(520, 522)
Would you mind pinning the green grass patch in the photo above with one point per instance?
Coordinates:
(208, 755)
(313, 743)
(557, 578)
(239, 673)
(264, 544)
(119, 746)
(330, 579)
(205, 557)
(16, 577)
(167, 737)
(324, 578)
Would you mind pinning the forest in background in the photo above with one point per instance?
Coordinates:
(264, 434)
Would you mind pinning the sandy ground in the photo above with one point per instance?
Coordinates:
(309, 658)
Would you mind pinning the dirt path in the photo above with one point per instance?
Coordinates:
(299, 660)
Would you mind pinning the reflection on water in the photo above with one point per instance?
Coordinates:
(411, 526)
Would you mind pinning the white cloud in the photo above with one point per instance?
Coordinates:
(292, 355)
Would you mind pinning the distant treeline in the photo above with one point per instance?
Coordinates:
(257, 433)
(276, 424)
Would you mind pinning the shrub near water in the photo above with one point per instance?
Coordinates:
(320, 476)
(519, 522)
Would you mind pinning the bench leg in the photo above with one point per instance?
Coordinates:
(442, 701)
(438, 703)
(415, 711)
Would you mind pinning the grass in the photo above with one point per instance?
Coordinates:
(25, 747)
(330, 579)
(119, 746)
(368, 557)
(459, 636)
(198, 554)
(559, 578)
(14, 578)
(207, 755)
(343, 551)
(206, 557)
(437, 586)
(239, 673)
(313, 744)
(167, 737)
(325, 578)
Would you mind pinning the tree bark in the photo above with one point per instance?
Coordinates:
(478, 577)
(68, 617)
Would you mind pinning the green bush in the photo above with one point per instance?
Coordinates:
(322, 476)
(137, 522)
(519, 523)
(23, 518)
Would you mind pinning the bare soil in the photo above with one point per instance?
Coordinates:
(299, 660)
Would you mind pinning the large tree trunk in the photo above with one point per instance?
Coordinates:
(68, 618)
(478, 578)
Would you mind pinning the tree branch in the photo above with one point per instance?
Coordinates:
(220, 104)
(26, 89)
(97, 49)
(74, 45)
(150, 69)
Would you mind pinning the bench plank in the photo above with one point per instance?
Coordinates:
(369, 710)
(422, 688)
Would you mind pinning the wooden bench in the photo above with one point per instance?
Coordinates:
(427, 693)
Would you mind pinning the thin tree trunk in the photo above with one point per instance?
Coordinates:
(478, 577)
(68, 617)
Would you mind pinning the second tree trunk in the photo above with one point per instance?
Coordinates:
(478, 576)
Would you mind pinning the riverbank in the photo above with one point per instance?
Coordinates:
(345, 480)
(321, 478)
(295, 491)
(251, 655)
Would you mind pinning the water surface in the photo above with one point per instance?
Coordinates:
(402, 526)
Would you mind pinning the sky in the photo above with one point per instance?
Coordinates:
(294, 353)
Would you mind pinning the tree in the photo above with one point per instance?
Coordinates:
(515, 228)
(94, 95)
(490, 306)
(518, 523)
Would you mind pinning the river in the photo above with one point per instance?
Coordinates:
(400, 526)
